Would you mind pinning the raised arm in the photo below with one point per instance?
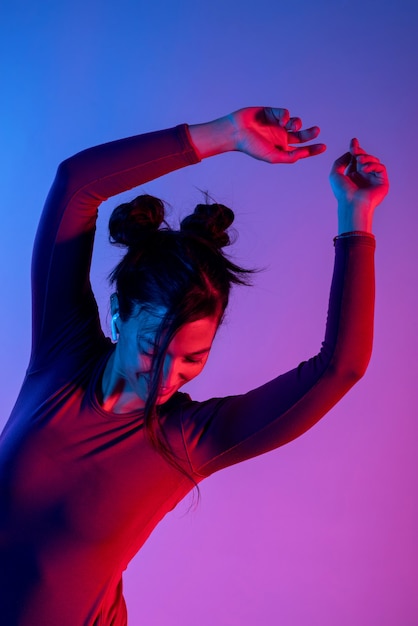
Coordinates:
(223, 431)
(62, 297)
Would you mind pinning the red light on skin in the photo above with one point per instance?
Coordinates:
(165, 391)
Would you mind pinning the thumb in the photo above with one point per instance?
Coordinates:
(340, 165)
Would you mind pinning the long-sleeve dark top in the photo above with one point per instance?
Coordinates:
(81, 488)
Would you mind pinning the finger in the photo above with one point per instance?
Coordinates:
(291, 156)
(294, 124)
(340, 165)
(354, 144)
(373, 168)
(352, 166)
(278, 115)
(367, 158)
(355, 147)
(304, 135)
(316, 148)
(381, 176)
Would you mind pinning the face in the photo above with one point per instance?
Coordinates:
(186, 356)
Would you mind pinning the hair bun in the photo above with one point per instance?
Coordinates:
(210, 221)
(132, 222)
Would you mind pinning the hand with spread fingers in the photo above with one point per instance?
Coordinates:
(264, 133)
(268, 134)
(360, 183)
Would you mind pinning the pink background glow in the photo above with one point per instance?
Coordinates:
(323, 531)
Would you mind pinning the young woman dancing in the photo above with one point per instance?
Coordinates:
(101, 444)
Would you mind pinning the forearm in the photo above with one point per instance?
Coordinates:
(65, 234)
(109, 169)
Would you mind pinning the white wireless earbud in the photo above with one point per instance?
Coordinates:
(113, 328)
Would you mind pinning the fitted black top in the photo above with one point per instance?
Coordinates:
(81, 488)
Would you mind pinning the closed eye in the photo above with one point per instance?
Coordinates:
(190, 359)
(147, 350)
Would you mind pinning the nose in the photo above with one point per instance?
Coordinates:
(172, 376)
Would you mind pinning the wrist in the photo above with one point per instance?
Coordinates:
(213, 137)
(352, 219)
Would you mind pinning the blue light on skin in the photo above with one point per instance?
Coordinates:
(126, 376)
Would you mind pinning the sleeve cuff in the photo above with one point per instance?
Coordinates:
(358, 236)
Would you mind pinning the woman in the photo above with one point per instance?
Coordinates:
(101, 444)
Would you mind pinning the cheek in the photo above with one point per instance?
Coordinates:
(143, 364)
(134, 363)
(195, 370)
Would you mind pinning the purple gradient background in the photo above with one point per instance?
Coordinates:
(323, 531)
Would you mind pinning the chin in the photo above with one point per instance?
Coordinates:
(164, 397)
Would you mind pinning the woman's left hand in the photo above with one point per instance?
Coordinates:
(359, 182)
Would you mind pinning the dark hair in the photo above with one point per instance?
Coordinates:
(184, 271)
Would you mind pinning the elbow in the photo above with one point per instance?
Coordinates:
(67, 172)
(62, 178)
(65, 169)
(354, 375)
(349, 372)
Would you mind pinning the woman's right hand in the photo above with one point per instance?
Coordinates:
(263, 133)
(359, 182)
(267, 133)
